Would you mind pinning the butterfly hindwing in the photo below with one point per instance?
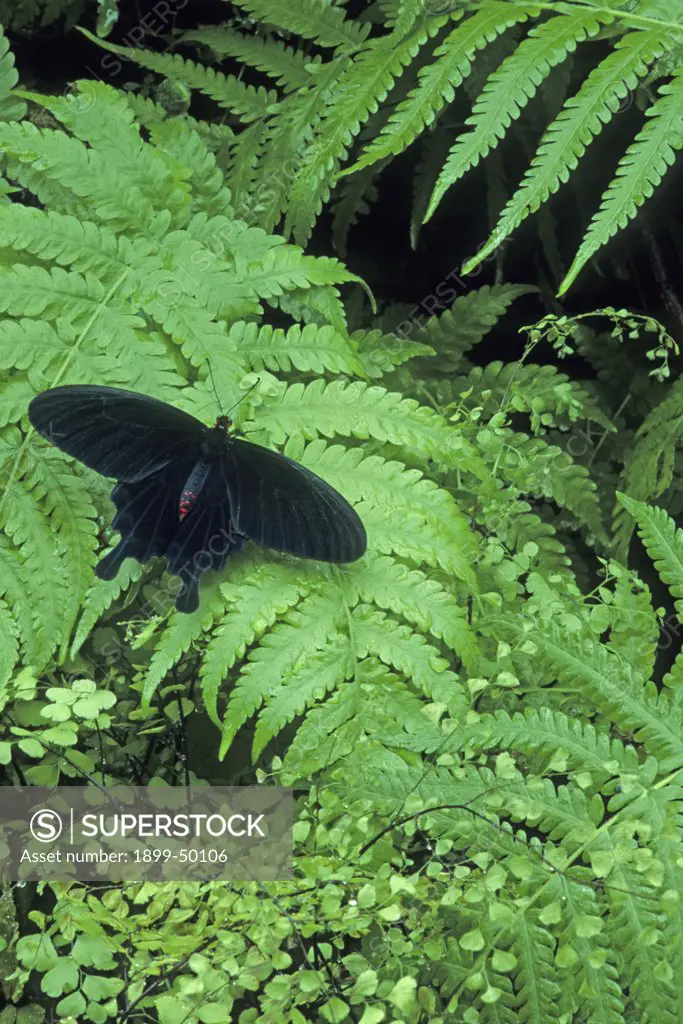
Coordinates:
(117, 433)
(282, 505)
(205, 538)
(147, 517)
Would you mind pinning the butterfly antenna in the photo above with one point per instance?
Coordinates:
(246, 393)
(213, 385)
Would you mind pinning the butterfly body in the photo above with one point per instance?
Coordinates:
(193, 493)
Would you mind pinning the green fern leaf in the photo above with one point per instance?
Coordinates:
(252, 607)
(308, 349)
(419, 599)
(72, 518)
(245, 101)
(9, 649)
(181, 634)
(450, 65)
(11, 108)
(580, 121)
(605, 682)
(99, 598)
(323, 22)
(639, 172)
(510, 88)
(310, 627)
(664, 544)
(360, 90)
(376, 635)
(291, 69)
(314, 676)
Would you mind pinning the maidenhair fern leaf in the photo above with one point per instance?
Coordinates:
(511, 87)
(580, 121)
(639, 172)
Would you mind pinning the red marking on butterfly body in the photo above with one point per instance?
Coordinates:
(186, 502)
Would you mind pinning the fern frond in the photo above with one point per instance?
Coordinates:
(63, 173)
(99, 598)
(450, 65)
(288, 132)
(405, 514)
(360, 90)
(664, 543)
(11, 107)
(323, 22)
(9, 649)
(458, 329)
(635, 913)
(510, 88)
(247, 102)
(315, 675)
(309, 628)
(544, 731)
(634, 629)
(605, 682)
(640, 171)
(252, 607)
(419, 599)
(241, 173)
(308, 349)
(375, 634)
(538, 468)
(548, 396)
(34, 547)
(358, 410)
(579, 122)
(72, 517)
(535, 980)
(182, 632)
(291, 69)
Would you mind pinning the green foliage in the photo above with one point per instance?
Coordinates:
(386, 88)
(485, 755)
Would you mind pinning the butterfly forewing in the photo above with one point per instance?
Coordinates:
(118, 433)
(282, 505)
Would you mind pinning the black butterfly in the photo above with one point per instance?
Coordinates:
(191, 492)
